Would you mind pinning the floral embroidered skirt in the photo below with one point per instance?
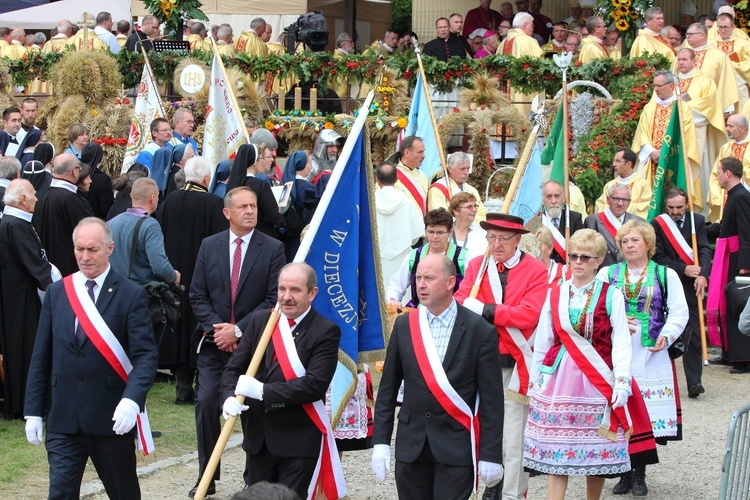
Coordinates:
(353, 431)
(562, 436)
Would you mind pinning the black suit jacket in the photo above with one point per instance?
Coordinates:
(576, 223)
(5, 140)
(666, 255)
(735, 222)
(83, 387)
(257, 288)
(613, 252)
(472, 365)
(280, 420)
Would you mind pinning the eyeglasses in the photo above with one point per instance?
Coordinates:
(660, 85)
(491, 239)
(691, 34)
(470, 207)
(436, 233)
(725, 27)
(619, 200)
(574, 257)
(164, 130)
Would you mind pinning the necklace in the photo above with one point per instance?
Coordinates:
(636, 290)
(580, 326)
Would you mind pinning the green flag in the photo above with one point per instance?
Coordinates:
(554, 150)
(671, 169)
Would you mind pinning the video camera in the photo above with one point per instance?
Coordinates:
(310, 29)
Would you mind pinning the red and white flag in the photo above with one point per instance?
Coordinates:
(147, 108)
(224, 131)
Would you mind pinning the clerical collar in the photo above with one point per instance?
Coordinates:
(60, 35)
(626, 180)
(17, 212)
(697, 49)
(388, 48)
(665, 102)
(743, 141)
(690, 74)
(64, 184)
(597, 39)
(344, 51)
(649, 30)
(513, 261)
(17, 42)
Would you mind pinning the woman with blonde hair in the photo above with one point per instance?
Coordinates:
(557, 272)
(657, 314)
(580, 378)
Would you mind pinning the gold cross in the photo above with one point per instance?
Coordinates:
(85, 24)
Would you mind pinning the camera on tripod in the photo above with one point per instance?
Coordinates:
(310, 29)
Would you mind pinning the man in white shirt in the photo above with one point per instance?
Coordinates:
(103, 30)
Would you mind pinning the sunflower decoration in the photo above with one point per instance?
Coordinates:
(172, 13)
(624, 14)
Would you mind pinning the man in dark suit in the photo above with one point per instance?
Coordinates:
(433, 449)
(182, 241)
(223, 293)
(553, 217)
(12, 140)
(282, 442)
(60, 212)
(669, 249)
(85, 392)
(608, 222)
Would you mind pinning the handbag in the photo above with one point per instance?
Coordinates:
(677, 349)
(163, 300)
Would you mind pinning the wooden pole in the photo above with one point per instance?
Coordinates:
(438, 141)
(514, 183)
(694, 239)
(226, 431)
(566, 163)
(147, 63)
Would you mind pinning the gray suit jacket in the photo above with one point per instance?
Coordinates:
(613, 252)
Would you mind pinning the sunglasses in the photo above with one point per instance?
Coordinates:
(583, 258)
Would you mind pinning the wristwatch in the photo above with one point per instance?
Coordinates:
(237, 332)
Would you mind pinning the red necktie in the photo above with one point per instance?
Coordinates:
(236, 266)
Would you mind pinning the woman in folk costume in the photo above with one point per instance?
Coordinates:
(578, 422)
(557, 272)
(657, 314)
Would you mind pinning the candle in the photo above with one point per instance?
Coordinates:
(281, 105)
(313, 99)
(297, 98)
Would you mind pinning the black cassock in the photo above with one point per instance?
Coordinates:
(186, 217)
(54, 220)
(23, 269)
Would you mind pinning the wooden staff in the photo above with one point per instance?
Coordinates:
(694, 239)
(514, 183)
(566, 165)
(438, 141)
(147, 63)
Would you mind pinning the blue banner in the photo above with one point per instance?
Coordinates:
(420, 125)
(528, 198)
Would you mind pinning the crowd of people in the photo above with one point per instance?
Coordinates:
(571, 350)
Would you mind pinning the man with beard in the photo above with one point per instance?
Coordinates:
(554, 218)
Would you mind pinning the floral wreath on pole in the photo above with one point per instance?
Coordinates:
(623, 14)
(172, 13)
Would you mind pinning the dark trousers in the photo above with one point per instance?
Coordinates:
(425, 478)
(184, 375)
(113, 457)
(692, 361)
(211, 362)
(294, 472)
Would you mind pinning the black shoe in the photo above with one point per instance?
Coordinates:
(740, 368)
(493, 492)
(695, 390)
(184, 402)
(155, 434)
(626, 483)
(639, 482)
(210, 491)
(719, 360)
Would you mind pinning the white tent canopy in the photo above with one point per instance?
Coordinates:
(44, 17)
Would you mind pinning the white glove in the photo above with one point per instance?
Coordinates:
(249, 387)
(34, 432)
(381, 460)
(491, 473)
(474, 305)
(124, 417)
(619, 398)
(232, 408)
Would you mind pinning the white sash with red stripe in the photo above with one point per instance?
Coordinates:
(514, 342)
(413, 189)
(329, 474)
(559, 239)
(588, 361)
(676, 239)
(438, 383)
(106, 343)
(611, 222)
(440, 185)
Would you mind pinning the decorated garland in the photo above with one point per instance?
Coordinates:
(623, 14)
